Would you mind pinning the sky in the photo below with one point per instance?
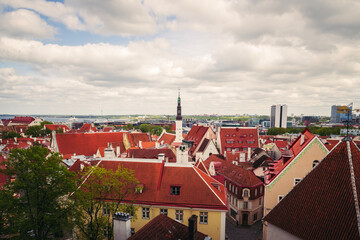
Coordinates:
(131, 57)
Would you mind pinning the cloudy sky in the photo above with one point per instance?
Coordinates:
(227, 56)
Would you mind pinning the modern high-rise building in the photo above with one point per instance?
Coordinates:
(278, 116)
(339, 117)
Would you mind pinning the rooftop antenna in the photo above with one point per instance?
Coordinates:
(348, 111)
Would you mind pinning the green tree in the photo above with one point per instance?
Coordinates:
(93, 214)
(34, 205)
(145, 127)
(44, 122)
(157, 130)
(276, 131)
(6, 135)
(37, 131)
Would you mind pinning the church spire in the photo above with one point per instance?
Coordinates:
(178, 115)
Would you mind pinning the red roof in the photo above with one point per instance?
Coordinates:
(164, 228)
(151, 153)
(158, 178)
(108, 129)
(196, 133)
(85, 143)
(331, 143)
(145, 145)
(282, 144)
(238, 138)
(167, 138)
(239, 175)
(296, 147)
(87, 127)
(214, 158)
(322, 205)
(3, 177)
(137, 137)
(54, 127)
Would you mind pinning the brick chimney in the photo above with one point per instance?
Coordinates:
(192, 227)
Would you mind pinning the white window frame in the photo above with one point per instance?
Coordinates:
(164, 211)
(203, 219)
(247, 192)
(179, 215)
(145, 213)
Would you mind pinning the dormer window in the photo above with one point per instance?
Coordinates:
(175, 190)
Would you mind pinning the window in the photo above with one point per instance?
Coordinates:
(132, 231)
(255, 217)
(236, 202)
(250, 142)
(146, 213)
(240, 141)
(246, 193)
(203, 218)
(255, 192)
(106, 209)
(225, 183)
(179, 214)
(296, 181)
(233, 213)
(163, 211)
(280, 198)
(234, 135)
(245, 205)
(259, 201)
(228, 149)
(260, 190)
(315, 163)
(236, 189)
(175, 190)
(251, 135)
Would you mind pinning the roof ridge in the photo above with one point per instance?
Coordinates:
(208, 186)
(353, 183)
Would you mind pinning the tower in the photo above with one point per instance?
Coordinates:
(278, 117)
(178, 122)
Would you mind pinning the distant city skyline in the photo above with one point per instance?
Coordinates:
(131, 57)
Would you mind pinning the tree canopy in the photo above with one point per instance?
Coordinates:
(93, 214)
(6, 135)
(34, 205)
(37, 131)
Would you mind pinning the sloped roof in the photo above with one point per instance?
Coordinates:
(322, 205)
(85, 143)
(87, 127)
(196, 133)
(145, 145)
(151, 153)
(136, 137)
(54, 127)
(235, 135)
(157, 179)
(167, 138)
(107, 129)
(281, 144)
(203, 145)
(163, 228)
(214, 158)
(239, 175)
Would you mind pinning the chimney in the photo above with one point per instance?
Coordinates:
(157, 145)
(109, 153)
(302, 140)
(233, 152)
(249, 153)
(192, 227)
(161, 156)
(140, 144)
(122, 228)
(118, 151)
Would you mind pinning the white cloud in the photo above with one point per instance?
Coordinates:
(25, 24)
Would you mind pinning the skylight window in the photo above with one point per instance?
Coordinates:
(175, 190)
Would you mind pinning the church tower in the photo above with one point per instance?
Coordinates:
(178, 123)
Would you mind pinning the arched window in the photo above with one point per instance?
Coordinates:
(315, 163)
(246, 193)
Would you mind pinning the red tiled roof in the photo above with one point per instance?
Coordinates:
(164, 228)
(322, 205)
(145, 145)
(196, 133)
(282, 144)
(295, 148)
(167, 138)
(151, 153)
(54, 127)
(240, 138)
(85, 143)
(214, 158)
(239, 175)
(236, 156)
(20, 145)
(137, 137)
(157, 179)
(3, 177)
(87, 127)
(119, 144)
(108, 129)
(331, 143)
(20, 128)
